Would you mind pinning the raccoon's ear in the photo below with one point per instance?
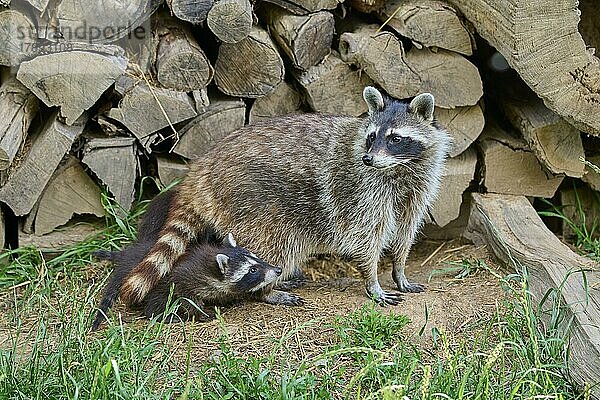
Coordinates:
(423, 105)
(229, 241)
(223, 262)
(373, 98)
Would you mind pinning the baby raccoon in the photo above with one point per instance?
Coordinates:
(207, 275)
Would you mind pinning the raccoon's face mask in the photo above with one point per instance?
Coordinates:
(397, 132)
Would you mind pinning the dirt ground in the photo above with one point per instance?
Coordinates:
(335, 289)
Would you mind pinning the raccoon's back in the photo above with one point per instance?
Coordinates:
(273, 169)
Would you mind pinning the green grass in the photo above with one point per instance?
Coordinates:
(48, 353)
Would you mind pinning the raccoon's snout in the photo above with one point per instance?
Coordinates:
(368, 160)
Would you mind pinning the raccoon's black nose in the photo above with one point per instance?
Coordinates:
(278, 271)
(368, 160)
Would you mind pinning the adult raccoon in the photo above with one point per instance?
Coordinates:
(293, 186)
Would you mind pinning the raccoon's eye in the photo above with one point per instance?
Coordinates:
(371, 137)
(396, 139)
(253, 270)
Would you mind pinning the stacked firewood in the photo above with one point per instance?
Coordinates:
(95, 97)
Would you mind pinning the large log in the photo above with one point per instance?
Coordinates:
(73, 80)
(114, 162)
(541, 41)
(220, 118)
(333, 87)
(381, 55)
(429, 23)
(18, 107)
(25, 185)
(464, 124)
(194, 11)
(180, 62)
(556, 143)
(458, 174)
(18, 36)
(282, 101)
(305, 39)
(513, 231)
(230, 20)
(250, 68)
(511, 168)
(70, 191)
(161, 107)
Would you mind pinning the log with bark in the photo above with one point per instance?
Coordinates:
(230, 20)
(333, 87)
(73, 80)
(306, 6)
(428, 23)
(180, 62)
(70, 191)
(194, 11)
(220, 118)
(305, 39)
(513, 231)
(511, 168)
(249, 68)
(18, 107)
(25, 185)
(114, 162)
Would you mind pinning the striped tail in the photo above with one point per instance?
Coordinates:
(174, 240)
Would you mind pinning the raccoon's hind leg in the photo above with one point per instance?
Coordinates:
(368, 269)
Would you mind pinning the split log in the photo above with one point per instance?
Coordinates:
(220, 118)
(170, 169)
(114, 162)
(511, 168)
(194, 11)
(250, 68)
(464, 124)
(306, 6)
(556, 143)
(381, 55)
(581, 206)
(64, 79)
(457, 177)
(18, 107)
(282, 101)
(70, 191)
(180, 62)
(101, 21)
(333, 87)
(161, 107)
(429, 23)
(590, 176)
(18, 36)
(513, 231)
(25, 185)
(547, 51)
(230, 20)
(201, 100)
(456, 84)
(305, 39)
(2, 230)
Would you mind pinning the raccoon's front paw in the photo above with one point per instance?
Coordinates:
(283, 298)
(384, 298)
